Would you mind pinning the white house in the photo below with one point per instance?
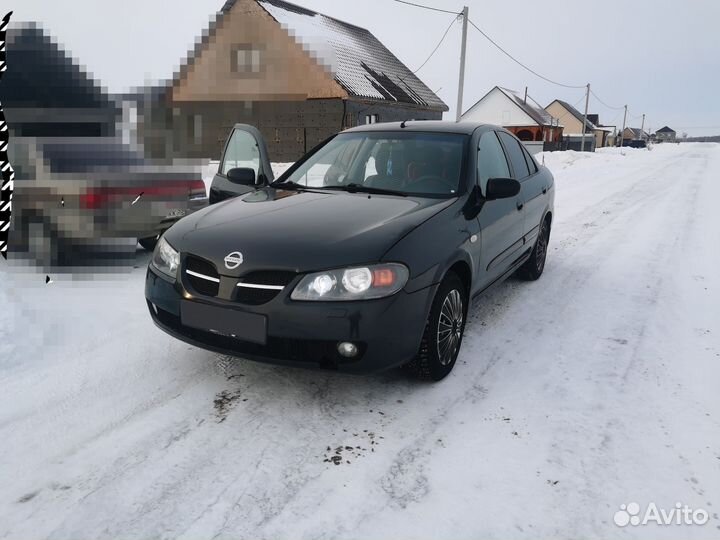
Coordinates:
(519, 114)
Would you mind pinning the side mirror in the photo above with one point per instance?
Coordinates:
(502, 188)
(242, 176)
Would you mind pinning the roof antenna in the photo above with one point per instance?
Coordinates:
(402, 124)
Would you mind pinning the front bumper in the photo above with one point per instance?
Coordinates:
(387, 331)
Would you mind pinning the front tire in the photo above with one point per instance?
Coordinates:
(444, 331)
(149, 243)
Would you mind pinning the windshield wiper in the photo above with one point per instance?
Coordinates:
(359, 188)
(287, 185)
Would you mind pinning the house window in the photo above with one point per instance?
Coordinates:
(246, 60)
(371, 118)
(197, 128)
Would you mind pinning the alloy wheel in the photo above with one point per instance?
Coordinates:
(450, 327)
(541, 248)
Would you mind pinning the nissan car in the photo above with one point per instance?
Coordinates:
(363, 256)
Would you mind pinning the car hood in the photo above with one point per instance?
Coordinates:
(300, 230)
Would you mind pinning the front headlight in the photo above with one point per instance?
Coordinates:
(361, 283)
(165, 258)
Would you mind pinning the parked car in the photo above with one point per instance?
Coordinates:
(362, 256)
(73, 194)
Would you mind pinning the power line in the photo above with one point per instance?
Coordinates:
(518, 61)
(427, 7)
(437, 46)
(603, 103)
(500, 48)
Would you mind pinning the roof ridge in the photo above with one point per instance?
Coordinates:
(299, 8)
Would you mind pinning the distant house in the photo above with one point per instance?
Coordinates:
(635, 137)
(46, 93)
(610, 134)
(518, 113)
(573, 120)
(297, 75)
(665, 134)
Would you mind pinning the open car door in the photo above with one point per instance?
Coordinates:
(244, 149)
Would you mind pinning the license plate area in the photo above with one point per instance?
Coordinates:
(175, 213)
(224, 321)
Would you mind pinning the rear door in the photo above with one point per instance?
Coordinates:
(534, 194)
(500, 221)
(245, 148)
(531, 199)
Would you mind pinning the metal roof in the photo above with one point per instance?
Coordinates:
(43, 75)
(531, 107)
(356, 59)
(577, 114)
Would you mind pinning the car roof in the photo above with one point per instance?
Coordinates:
(435, 126)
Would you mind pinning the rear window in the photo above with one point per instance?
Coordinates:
(82, 158)
(529, 159)
(515, 153)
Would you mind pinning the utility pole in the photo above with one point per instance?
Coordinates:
(584, 128)
(642, 127)
(463, 47)
(622, 133)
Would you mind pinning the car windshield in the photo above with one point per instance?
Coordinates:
(412, 163)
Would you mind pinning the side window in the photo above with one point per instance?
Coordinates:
(242, 151)
(515, 153)
(491, 160)
(529, 160)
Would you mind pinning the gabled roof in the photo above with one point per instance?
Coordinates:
(356, 59)
(589, 126)
(34, 56)
(665, 130)
(529, 106)
(637, 133)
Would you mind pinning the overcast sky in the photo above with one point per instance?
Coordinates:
(660, 57)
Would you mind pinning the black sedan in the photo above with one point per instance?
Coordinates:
(364, 255)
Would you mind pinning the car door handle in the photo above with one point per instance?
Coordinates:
(520, 206)
(544, 190)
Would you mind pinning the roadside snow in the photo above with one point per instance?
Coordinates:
(593, 387)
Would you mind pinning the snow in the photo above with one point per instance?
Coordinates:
(593, 387)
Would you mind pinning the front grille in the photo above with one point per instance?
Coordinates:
(202, 276)
(250, 288)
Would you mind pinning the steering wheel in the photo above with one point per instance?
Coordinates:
(434, 184)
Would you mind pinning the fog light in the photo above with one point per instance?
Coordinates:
(347, 349)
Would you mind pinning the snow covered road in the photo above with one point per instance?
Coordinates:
(594, 387)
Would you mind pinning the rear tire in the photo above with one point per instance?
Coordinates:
(444, 331)
(148, 243)
(533, 268)
(35, 242)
